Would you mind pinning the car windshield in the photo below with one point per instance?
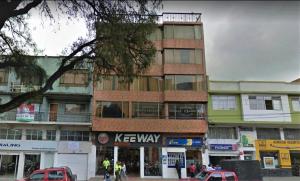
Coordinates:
(202, 175)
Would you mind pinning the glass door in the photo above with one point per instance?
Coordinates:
(8, 167)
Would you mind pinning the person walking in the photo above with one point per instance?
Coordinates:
(192, 170)
(118, 168)
(123, 171)
(178, 169)
(106, 164)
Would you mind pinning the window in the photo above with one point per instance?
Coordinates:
(265, 102)
(75, 108)
(158, 58)
(296, 104)
(155, 35)
(268, 133)
(75, 77)
(215, 177)
(51, 135)
(229, 176)
(3, 76)
(222, 133)
(11, 134)
(145, 83)
(173, 157)
(112, 109)
(182, 32)
(291, 134)
(56, 175)
(184, 82)
(147, 110)
(187, 111)
(66, 135)
(112, 82)
(223, 102)
(37, 177)
(183, 56)
(32, 134)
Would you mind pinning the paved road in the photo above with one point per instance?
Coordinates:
(148, 179)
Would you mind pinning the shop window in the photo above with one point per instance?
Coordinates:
(269, 159)
(184, 82)
(153, 110)
(51, 135)
(3, 76)
(222, 133)
(147, 83)
(268, 133)
(112, 109)
(176, 156)
(296, 104)
(103, 152)
(11, 134)
(223, 102)
(74, 78)
(75, 108)
(186, 111)
(112, 82)
(183, 56)
(182, 32)
(265, 103)
(152, 166)
(215, 177)
(291, 134)
(32, 134)
(66, 135)
(32, 163)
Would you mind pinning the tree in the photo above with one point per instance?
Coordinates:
(117, 41)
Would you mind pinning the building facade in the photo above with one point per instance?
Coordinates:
(255, 121)
(160, 117)
(48, 131)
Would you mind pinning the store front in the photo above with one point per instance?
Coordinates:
(147, 155)
(220, 152)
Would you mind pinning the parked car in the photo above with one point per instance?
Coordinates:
(51, 174)
(214, 175)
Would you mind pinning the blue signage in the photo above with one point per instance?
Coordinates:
(193, 142)
(223, 147)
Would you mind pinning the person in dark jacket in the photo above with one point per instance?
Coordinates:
(178, 169)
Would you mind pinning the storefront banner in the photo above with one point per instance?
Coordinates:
(224, 147)
(19, 145)
(193, 142)
(247, 138)
(25, 113)
(278, 144)
(126, 139)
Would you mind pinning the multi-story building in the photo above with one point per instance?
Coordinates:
(160, 117)
(255, 120)
(51, 130)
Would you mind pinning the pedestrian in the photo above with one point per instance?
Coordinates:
(192, 170)
(198, 167)
(210, 167)
(123, 171)
(106, 164)
(178, 169)
(118, 168)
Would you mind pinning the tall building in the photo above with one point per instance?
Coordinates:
(160, 117)
(51, 130)
(255, 120)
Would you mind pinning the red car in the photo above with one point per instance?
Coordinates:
(51, 174)
(214, 175)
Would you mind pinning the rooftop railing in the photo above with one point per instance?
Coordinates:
(179, 17)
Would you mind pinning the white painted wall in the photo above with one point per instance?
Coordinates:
(171, 172)
(266, 115)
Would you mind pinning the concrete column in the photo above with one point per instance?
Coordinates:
(21, 162)
(42, 160)
(142, 161)
(92, 162)
(166, 111)
(281, 133)
(205, 157)
(116, 148)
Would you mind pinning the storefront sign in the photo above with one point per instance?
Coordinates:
(224, 147)
(193, 142)
(25, 112)
(247, 138)
(18, 145)
(269, 162)
(278, 144)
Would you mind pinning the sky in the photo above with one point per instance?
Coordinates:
(244, 40)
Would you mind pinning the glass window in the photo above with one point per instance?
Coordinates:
(51, 135)
(229, 176)
(37, 177)
(222, 102)
(215, 177)
(182, 32)
(291, 134)
(75, 108)
(186, 111)
(147, 83)
(265, 103)
(158, 58)
(183, 56)
(12, 134)
(268, 133)
(155, 35)
(56, 175)
(75, 77)
(112, 82)
(222, 133)
(112, 109)
(184, 82)
(66, 135)
(32, 134)
(3, 76)
(147, 110)
(152, 165)
(296, 104)
(176, 156)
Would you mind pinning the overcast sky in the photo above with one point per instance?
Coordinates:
(243, 40)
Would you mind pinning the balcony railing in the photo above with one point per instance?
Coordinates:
(179, 17)
(46, 117)
(19, 88)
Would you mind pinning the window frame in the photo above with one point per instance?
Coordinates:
(297, 100)
(5, 76)
(264, 102)
(51, 136)
(72, 135)
(100, 103)
(4, 132)
(159, 110)
(84, 106)
(74, 83)
(31, 133)
(197, 85)
(221, 105)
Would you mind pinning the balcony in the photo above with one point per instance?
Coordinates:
(179, 17)
(46, 117)
(20, 88)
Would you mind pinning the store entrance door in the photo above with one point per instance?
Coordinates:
(8, 167)
(131, 158)
(295, 160)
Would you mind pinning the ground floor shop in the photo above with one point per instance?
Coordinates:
(148, 154)
(18, 158)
